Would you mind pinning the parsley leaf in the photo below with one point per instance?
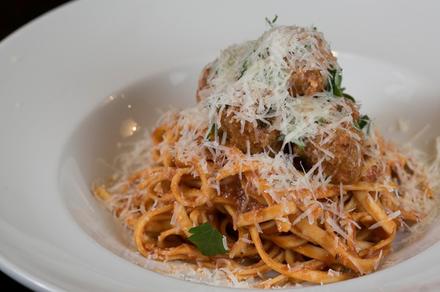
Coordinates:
(207, 239)
(364, 121)
(336, 85)
(348, 96)
(244, 67)
(271, 22)
(321, 121)
(212, 132)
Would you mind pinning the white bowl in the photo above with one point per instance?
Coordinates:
(58, 121)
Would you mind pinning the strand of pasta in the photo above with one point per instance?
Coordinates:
(301, 273)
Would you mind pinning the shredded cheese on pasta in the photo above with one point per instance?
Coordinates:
(281, 222)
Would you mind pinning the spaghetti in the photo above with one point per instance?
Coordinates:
(284, 217)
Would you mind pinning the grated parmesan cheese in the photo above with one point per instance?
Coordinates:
(225, 243)
(390, 217)
(253, 80)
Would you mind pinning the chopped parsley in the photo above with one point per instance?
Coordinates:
(272, 22)
(348, 96)
(212, 132)
(207, 239)
(336, 85)
(321, 121)
(364, 121)
(244, 67)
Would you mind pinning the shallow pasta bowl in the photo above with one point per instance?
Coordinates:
(72, 81)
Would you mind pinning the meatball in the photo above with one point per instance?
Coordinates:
(345, 165)
(260, 138)
(306, 79)
(346, 147)
(306, 83)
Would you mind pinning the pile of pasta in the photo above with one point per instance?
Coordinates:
(274, 177)
(274, 234)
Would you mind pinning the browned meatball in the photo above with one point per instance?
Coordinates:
(347, 148)
(260, 137)
(346, 164)
(372, 170)
(306, 83)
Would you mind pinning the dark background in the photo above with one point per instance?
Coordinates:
(13, 14)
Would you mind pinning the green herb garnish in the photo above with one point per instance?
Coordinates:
(364, 121)
(321, 121)
(336, 85)
(348, 96)
(271, 22)
(207, 239)
(244, 67)
(212, 132)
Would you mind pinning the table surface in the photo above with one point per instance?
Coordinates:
(14, 14)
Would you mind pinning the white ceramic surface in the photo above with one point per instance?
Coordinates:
(58, 121)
